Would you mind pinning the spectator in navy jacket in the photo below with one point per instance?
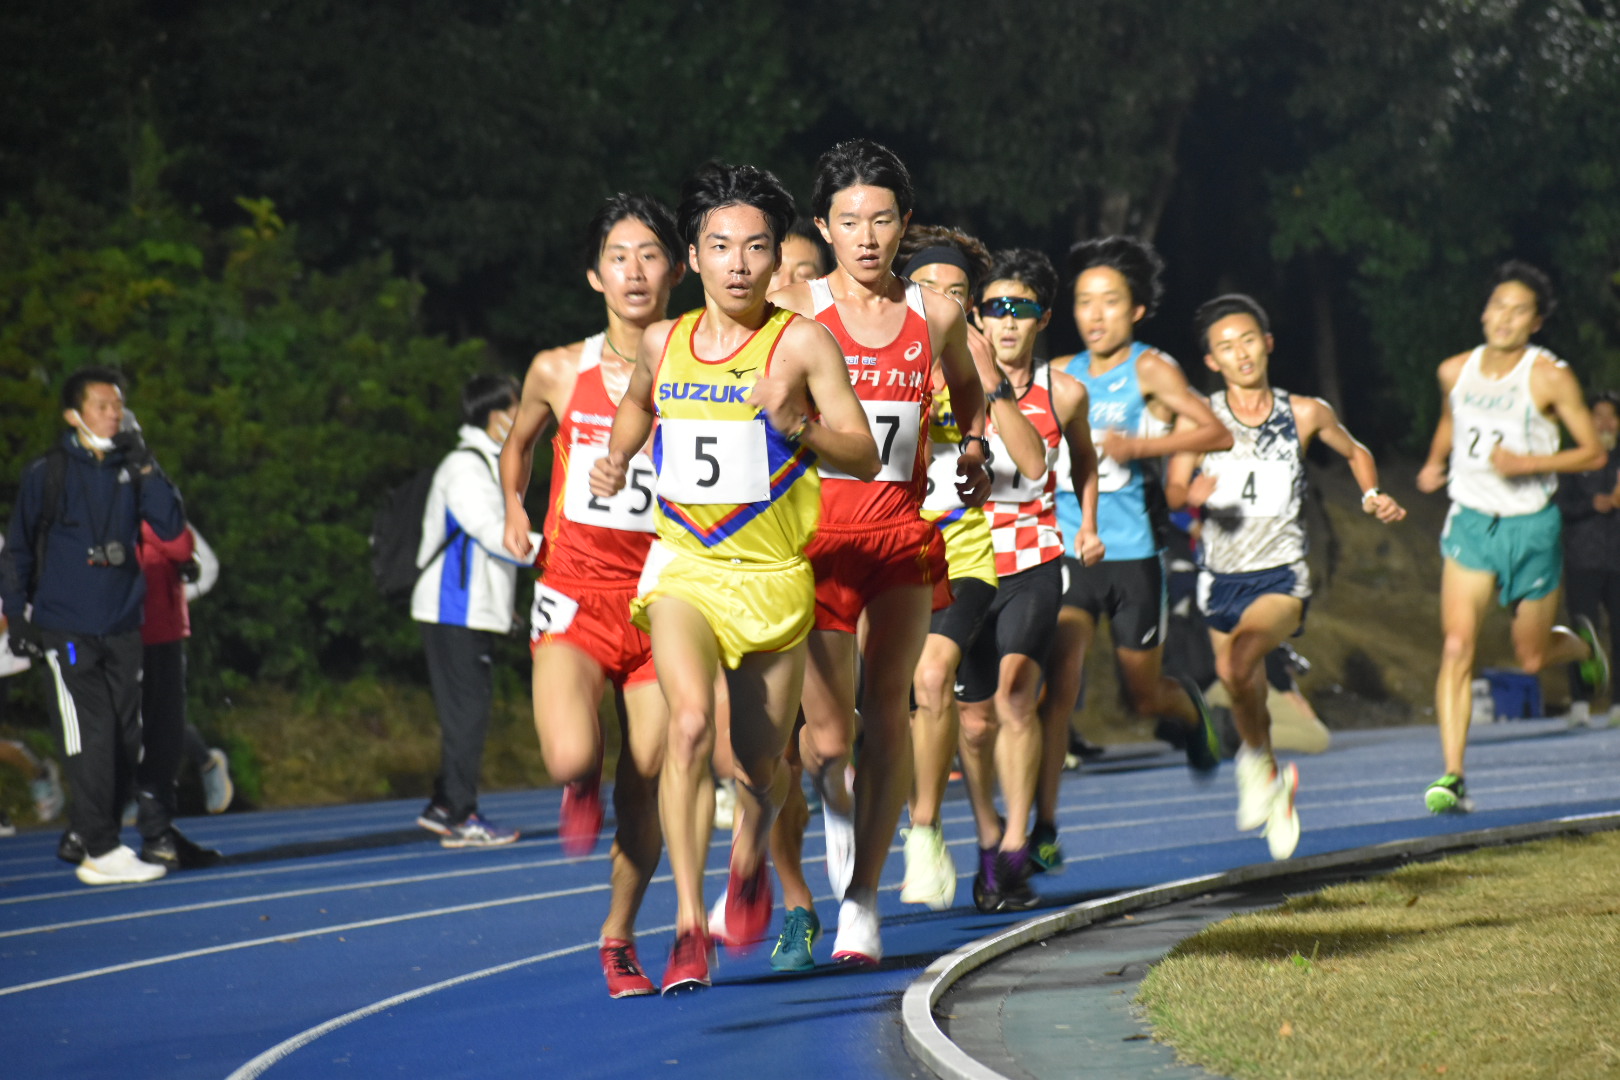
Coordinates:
(70, 564)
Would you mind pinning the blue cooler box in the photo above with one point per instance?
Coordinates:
(1517, 696)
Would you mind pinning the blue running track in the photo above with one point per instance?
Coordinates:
(345, 942)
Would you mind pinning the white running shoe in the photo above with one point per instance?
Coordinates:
(120, 866)
(1282, 820)
(1256, 771)
(216, 780)
(839, 830)
(47, 792)
(930, 872)
(860, 939)
(725, 804)
(717, 920)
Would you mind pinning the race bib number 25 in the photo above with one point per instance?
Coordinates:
(628, 511)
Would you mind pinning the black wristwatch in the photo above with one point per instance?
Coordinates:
(1003, 392)
(984, 444)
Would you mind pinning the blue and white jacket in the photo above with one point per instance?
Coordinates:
(474, 583)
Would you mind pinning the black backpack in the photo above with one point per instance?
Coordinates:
(396, 533)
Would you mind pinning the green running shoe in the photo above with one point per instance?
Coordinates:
(1594, 671)
(1203, 744)
(800, 930)
(1448, 795)
(1044, 850)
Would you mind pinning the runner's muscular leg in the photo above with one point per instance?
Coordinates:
(829, 713)
(1538, 643)
(934, 726)
(1065, 671)
(765, 693)
(1018, 747)
(787, 834)
(1240, 661)
(978, 744)
(687, 657)
(638, 841)
(899, 625)
(1150, 691)
(1465, 599)
(567, 692)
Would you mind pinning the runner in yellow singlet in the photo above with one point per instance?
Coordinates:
(747, 397)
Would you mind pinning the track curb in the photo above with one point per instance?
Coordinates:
(930, 1045)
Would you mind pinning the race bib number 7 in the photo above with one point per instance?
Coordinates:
(896, 425)
(706, 462)
(628, 511)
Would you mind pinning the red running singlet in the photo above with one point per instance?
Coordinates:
(894, 383)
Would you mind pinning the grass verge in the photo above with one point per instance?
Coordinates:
(1497, 963)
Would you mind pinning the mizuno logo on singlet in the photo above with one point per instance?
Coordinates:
(738, 373)
(690, 391)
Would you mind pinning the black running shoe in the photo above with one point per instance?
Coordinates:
(173, 850)
(1046, 854)
(70, 849)
(1203, 742)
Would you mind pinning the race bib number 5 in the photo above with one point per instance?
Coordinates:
(896, 425)
(628, 511)
(713, 461)
(552, 612)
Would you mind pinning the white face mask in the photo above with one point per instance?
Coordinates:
(503, 427)
(90, 438)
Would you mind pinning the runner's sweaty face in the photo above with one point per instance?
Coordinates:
(864, 226)
(1510, 316)
(633, 273)
(735, 256)
(1012, 339)
(801, 261)
(1104, 311)
(1240, 351)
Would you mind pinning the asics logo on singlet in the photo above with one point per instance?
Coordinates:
(1116, 387)
(696, 391)
(591, 419)
(914, 350)
(1107, 413)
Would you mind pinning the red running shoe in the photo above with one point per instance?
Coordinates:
(581, 819)
(748, 907)
(689, 962)
(622, 970)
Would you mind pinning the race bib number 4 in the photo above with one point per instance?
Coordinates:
(628, 511)
(552, 612)
(706, 462)
(1252, 488)
(896, 425)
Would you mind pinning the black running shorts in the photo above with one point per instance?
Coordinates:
(961, 620)
(1131, 592)
(1021, 622)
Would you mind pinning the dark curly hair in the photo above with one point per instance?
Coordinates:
(1136, 261)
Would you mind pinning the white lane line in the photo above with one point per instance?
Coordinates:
(234, 901)
(298, 935)
(286, 1047)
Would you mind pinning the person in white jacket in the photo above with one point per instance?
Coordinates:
(463, 600)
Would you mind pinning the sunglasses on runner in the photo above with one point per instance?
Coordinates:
(1016, 306)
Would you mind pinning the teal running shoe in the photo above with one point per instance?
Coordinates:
(1044, 850)
(800, 930)
(1448, 795)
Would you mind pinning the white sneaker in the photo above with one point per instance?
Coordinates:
(1282, 820)
(839, 830)
(725, 804)
(1580, 714)
(47, 793)
(1255, 770)
(930, 872)
(717, 920)
(120, 866)
(859, 940)
(216, 780)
